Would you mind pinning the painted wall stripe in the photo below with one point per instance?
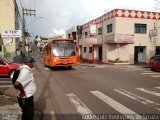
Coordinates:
(114, 104)
(138, 98)
(149, 91)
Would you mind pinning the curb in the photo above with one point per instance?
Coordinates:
(9, 109)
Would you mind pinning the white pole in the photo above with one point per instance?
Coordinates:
(2, 50)
(155, 38)
(155, 45)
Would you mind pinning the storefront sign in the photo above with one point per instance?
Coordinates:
(153, 33)
(11, 33)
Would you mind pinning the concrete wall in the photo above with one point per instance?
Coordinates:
(126, 26)
(7, 22)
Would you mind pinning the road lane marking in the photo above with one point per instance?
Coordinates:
(53, 115)
(147, 71)
(138, 98)
(76, 68)
(100, 66)
(5, 86)
(149, 91)
(79, 105)
(46, 68)
(157, 87)
(133, 69)
(5, 82)
(115, 105)
(153, 73)
(3, 79)
(82, 67)
(155, 76)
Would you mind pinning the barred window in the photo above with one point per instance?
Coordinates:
(100, 31)
(140, 28)
(109, 28)
(90, 49)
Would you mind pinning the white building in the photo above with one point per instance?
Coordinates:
(127, 35)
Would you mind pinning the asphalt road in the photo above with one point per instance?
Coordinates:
(97, 91)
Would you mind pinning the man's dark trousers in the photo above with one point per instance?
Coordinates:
(27, 106)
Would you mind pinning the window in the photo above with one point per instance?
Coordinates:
(109, 28)
(84, 49)
(90, 49)
(69, 36)
(0, 48)
(86, 34)
(140, 28)
(100, 31)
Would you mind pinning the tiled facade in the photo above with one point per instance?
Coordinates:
(121, 34)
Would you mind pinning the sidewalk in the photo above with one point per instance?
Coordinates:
(103, 65)
(9, 108)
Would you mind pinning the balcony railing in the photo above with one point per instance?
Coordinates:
(119, 39)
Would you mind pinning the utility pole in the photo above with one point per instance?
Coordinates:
(27, 12)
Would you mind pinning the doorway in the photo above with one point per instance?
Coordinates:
(157, 50)
(100, 54)
(140, 54)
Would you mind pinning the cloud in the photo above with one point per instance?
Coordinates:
(64, 14)
(58, 32)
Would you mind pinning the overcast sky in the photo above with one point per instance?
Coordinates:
(56, 16)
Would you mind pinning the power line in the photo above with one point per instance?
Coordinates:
(24, 5)
(15, 4)
(30, 4)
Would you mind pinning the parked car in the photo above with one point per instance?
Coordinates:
(7, 67)
(155, 63)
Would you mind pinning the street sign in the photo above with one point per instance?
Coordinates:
(11, 33)
(153, 33)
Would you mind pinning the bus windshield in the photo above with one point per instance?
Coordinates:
(63, 50)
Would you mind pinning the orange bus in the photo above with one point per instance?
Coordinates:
(60, 52)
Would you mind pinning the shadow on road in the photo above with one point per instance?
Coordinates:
(40, 103)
